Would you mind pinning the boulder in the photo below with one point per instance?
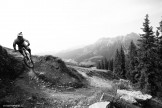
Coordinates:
(99, 105)
(133, 96)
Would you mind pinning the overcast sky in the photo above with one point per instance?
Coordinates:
(55, 25)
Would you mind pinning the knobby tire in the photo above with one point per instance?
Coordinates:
(27, 60)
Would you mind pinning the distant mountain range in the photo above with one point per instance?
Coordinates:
(104, 47)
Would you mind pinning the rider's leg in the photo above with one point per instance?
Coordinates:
(20, 50)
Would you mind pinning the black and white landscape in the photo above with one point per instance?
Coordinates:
(84, 54)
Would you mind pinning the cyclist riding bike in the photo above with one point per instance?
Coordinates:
(20, 41)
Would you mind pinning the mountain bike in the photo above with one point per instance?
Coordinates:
(27, 58)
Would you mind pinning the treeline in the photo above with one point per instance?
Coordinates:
(105, 64)
(142, 64)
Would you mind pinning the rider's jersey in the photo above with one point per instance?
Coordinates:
(20, 42)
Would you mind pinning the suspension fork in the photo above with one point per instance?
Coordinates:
(24, 53)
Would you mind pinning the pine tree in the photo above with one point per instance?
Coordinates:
(132, 63)
(122, 60)
(98, 65)
(105, 63)
(117, 64)
(159, 58)
(108, 65)
(159, 41)
(102, 64)
(111, 65)
(147, 58)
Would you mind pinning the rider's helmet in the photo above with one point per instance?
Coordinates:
(20, 34)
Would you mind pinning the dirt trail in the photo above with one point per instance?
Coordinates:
(93, 81)
(81, 96)
(96, 81)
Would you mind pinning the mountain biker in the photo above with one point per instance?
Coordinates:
(20, 41)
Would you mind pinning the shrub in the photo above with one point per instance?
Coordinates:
(123, 84)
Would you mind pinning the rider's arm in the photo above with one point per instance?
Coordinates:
(14, 45)
(27, 41)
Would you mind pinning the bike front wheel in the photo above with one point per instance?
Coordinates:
(28, 61)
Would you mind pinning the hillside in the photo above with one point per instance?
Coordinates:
(104, 47)
(20, 85)
(52, 84)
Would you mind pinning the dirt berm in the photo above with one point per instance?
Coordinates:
(53, 70)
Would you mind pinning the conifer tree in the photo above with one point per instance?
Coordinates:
(132, 63)
(102, 64)
(122, 60)
(147, 58)
(111, 65)
(98, 65)
(159, 41)
(117, 64)
(105, 63)
(159, 58)
(108, 65)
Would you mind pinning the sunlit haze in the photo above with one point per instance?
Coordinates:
(55, 25)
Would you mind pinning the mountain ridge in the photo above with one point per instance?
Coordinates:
(105, 47)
